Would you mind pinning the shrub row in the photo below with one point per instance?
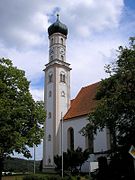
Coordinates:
(46, 177)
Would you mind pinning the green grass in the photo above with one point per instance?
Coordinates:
(20, 177)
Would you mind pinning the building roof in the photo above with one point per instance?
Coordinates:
(58, 27)
(84, 103)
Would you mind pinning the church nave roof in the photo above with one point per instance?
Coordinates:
(84, 103)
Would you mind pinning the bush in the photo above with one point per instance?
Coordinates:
(73, 159)
(35, 177)
(46, 177)
(54, 177)
(67, 178)
(87, 177)
(78, 177)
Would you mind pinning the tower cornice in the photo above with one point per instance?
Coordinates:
(58, 63)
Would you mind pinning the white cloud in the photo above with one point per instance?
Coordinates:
(38, 94)
(92, 16)
(32, 62)
(87, 60)
(23, 23)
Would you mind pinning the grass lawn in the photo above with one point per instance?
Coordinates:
(19, 177)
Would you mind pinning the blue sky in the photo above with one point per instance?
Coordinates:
(96, 29)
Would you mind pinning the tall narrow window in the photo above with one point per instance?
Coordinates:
(64, 80)
(51, 41)
(49, 137)
(62, 77)
(49, 115)
(50, 93)
(50, 77)
(71, 138)
(62, 41)
(49, 161)
(62, 57)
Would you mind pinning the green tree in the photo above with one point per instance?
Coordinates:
(116, 94)
(72, 159)
(21, 118)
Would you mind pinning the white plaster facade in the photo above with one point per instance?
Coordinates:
(57, 97)
(100, 140)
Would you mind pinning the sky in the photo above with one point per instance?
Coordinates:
(96, 29)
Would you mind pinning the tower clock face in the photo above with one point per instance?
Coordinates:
(62, 51)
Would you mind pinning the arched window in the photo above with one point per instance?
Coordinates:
(70, 138)
(62, 77)
(50, 77)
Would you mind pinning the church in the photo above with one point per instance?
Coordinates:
(66, 117)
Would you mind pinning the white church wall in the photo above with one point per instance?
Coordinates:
(77, 124)
(100, 141)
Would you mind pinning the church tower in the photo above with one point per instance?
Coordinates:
(57, 92)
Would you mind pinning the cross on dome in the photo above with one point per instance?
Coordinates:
(58, 16)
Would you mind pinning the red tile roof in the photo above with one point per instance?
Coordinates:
(84, 103)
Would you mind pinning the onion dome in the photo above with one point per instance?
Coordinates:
(58, 27)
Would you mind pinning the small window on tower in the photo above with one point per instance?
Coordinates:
(62, 94)
(62, 41)
(49, 161)
(51, 58)
(49, 137)
(51, 41)
(50, 78)
(62, 57)
(62, 77)
(50, 93)
(49, 115)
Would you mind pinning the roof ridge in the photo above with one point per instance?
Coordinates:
(91, 84)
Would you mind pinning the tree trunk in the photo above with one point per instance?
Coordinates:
(114, 141)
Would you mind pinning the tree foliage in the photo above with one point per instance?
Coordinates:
(116, 94)
(21, 118)
(72, 159)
